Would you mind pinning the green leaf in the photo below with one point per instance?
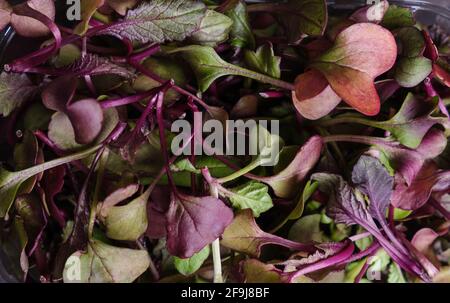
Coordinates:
(208, 66)
(264, 61)
(400, 214)
(26, 154)
(297, 212)
(15, 89)
(88, 8)
(159, 21)
(191, 265)
(127, 222)
(395, 274)
(253, 195)
(398, 17)
(379, 261)
(302, 18)
(353, 269)
(184, 165)
(103, 263)
(11, 181)
(307, 229)
(213, 29)
(412, 67)
(410, 72)
(267, 145)
(364, 242)
(241, 33)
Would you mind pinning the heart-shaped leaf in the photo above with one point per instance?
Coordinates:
(412, 67)
(313, 97)
(103, 263)
(86, 117)
(194, 222)
(361, 52)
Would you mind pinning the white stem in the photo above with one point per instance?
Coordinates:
(215, 246)
(217, 261)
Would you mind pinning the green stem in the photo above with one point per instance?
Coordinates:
(357, 139)
(342, 120)
(239, 173)
(98, 186)
(29, 172)
(240, 71)
(266, 7)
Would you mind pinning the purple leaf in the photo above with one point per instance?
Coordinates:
(414, 196)
(407, 162)
(91, 64)
(194, 222)
(370, 177)
(86, 117)
(54, 97)
(156, 209)
(159, 21)
(15, 90)
(343, 205)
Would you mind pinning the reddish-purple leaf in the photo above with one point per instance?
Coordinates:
(414, 196)
(313, 97)
(59, 92)
(86, 117)
(361, 52)
(194, 222)
(30, 27)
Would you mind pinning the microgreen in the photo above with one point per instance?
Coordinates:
(340, 170)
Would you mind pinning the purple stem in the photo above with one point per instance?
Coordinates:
(331, 261)
(362, 272)
(129, 99)
(162, 135)
(272, 94)
(438, 206)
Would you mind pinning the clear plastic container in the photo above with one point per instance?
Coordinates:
(429, 12)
